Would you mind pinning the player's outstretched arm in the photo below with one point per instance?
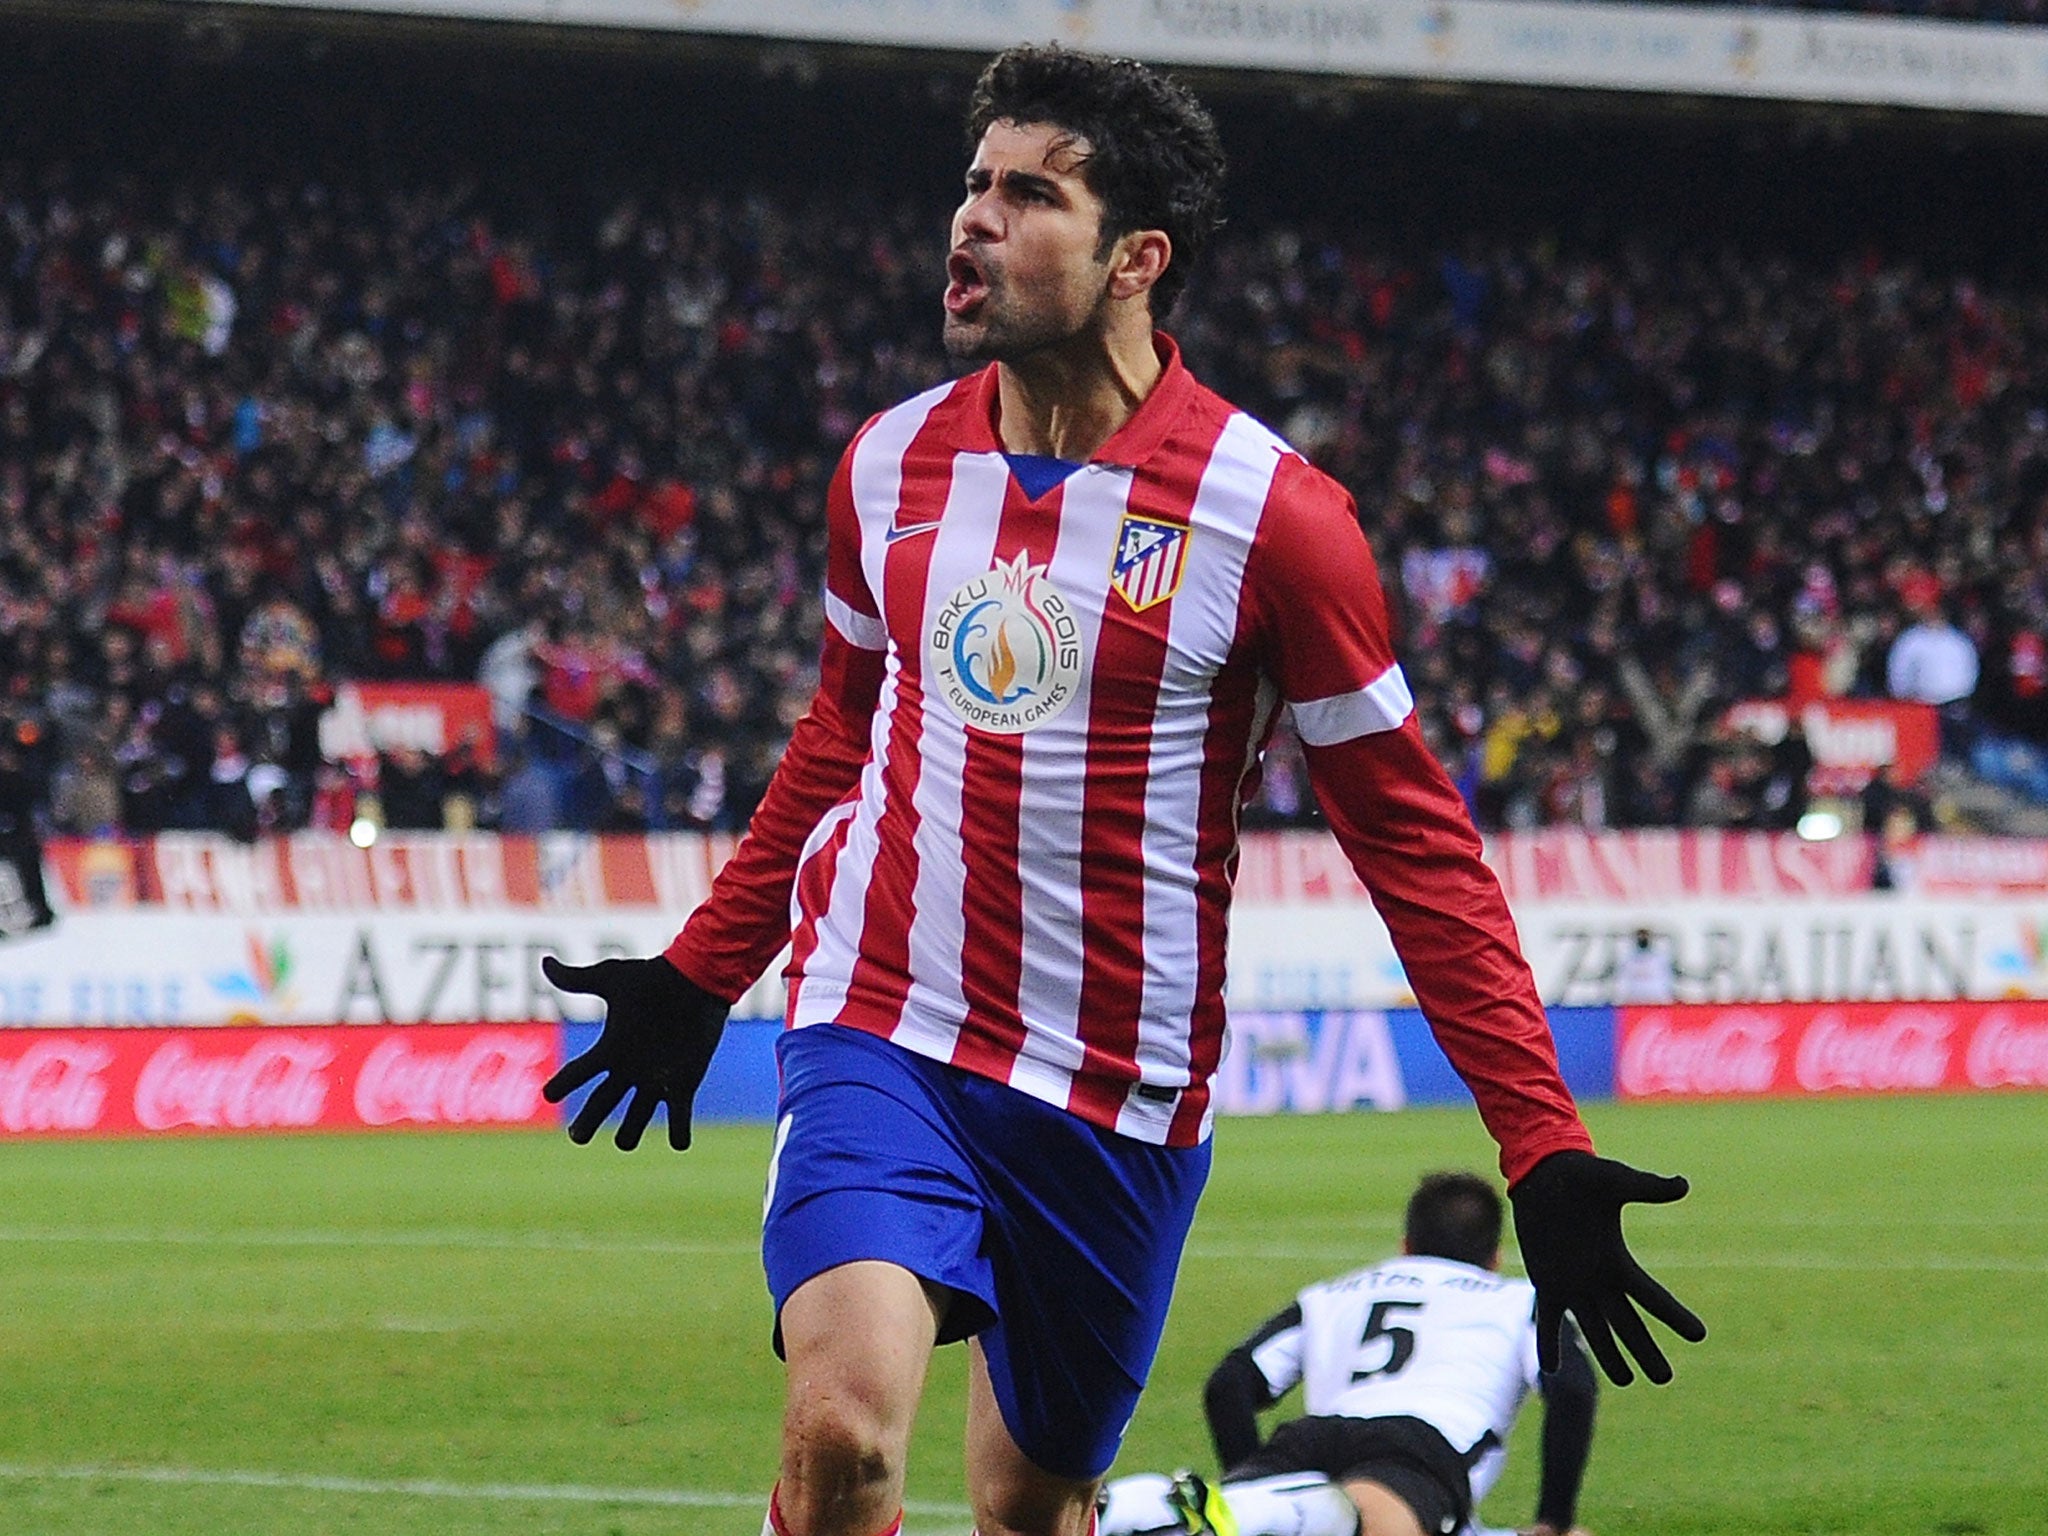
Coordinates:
(737, 931)
(1321, 618)
(660, 1029)
(1568, 1222)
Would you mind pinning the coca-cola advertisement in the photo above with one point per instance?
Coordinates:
(87, 1082)
(1804, 1048)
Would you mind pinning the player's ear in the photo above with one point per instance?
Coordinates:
(1137, 261)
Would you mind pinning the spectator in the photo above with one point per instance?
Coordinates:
(24, 901)
(1884, 799)
(333, 807)
(85, 798)
(1932, 661)
(528, 800)
(1644, 972)
(279, 642)
(1783, 795)
(411, 786)
(509, 673)
(228, 805)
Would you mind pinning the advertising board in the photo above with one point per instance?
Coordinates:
(100, 1082)
(1318, 1061)
(223, 955)
(1871, 948)
(1710, 50)
(160, 968)
(1294, 1063)
(1749, 1050)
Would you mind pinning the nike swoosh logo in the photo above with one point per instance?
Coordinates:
(894, 533)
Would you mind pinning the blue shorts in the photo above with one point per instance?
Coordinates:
(1060, 1240)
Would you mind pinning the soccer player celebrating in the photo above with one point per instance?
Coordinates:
(1412, 1372)
(1065, 597)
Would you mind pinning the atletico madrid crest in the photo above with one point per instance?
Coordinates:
(1150, 556)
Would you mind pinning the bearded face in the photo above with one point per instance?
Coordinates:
(1026, 269)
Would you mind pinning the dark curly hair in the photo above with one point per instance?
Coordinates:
(1454, 1216)
(1154, 158)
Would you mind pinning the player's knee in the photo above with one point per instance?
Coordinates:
(837, 1449)
(1038, 1511)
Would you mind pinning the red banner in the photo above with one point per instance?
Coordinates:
(1741, 1050)
(479, 871)
(87, 1082)
(1850, 738)
(1564, 864)
(435, 718)
(2005, 866)
(400, 872)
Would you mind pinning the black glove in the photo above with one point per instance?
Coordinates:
(660, 1029)
(1568, 1221)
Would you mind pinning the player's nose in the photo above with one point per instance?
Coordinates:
(979, 219)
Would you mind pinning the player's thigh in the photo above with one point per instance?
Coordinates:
(1084, 1235)
(870, 1165)
(858, 1339)
(1011, 1495)
(1383, 1512)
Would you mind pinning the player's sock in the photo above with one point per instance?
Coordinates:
(776, 1526)
(1291, 1505)
(1136, 1503)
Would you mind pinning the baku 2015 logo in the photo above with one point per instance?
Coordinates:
(1005, 649)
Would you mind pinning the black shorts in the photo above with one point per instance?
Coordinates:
(1406, 1456)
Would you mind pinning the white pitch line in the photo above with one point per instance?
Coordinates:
(428, 1488)
(538, 1242)
(1937, 1263)
(1225, 1253)
(1656, 1261)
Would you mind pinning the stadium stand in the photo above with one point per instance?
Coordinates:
(336, 381)
(1997, 12)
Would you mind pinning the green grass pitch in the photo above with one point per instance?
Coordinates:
(452, 1334)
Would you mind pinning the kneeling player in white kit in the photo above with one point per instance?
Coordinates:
(1412, 1373)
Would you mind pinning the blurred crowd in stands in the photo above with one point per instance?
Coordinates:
(2006, 12)
(261, 435)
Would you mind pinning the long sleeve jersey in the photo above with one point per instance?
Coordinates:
(1004, 834)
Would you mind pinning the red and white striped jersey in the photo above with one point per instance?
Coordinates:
(1004, 834)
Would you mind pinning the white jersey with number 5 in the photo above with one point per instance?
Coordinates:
(1450, 1344)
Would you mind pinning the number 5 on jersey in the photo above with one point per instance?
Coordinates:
(1400, 1341)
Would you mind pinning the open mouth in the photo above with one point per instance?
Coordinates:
(966, 283)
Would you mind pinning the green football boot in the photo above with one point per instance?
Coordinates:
(1201, 1508)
